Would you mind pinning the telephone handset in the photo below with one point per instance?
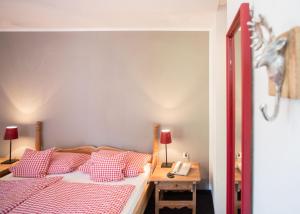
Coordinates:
(181, 168)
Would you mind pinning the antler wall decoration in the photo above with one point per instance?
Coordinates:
(270, 53)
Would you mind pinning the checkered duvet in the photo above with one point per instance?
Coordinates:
(14, 193)
(64, 197)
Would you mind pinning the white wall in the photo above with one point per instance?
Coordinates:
(106, 15)
(276, 144)
(218, 112)
(108, 88)
(232, 8)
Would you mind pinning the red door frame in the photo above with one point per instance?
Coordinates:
(240, 20)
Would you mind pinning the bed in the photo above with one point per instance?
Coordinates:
(139, 195)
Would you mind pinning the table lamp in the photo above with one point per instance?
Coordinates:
(165, 138)
(11, 133)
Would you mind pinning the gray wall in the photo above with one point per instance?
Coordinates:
(107, 88)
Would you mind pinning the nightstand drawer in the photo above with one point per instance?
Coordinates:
(175, 185)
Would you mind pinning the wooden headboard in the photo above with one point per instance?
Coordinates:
(38, 136)
(90, 149)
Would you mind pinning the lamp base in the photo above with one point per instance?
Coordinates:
(9, 161)
(166, 165)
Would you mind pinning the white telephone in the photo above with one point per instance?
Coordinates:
(181, 168)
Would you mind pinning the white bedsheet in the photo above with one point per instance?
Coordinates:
(76, 176)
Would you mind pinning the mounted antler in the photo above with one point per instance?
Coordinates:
(257, 37)
(270, 54)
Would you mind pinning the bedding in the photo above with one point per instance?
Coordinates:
(85, 168)
(13, 192)
(33, 164)
(65, 197)
(135, 162)
(64, 162)
(79, 177)
(108, 168)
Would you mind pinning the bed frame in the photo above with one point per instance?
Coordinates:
(148, 188)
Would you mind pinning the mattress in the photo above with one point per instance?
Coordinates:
(139, 182)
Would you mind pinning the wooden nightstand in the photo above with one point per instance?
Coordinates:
(4, 167)
(178, 183)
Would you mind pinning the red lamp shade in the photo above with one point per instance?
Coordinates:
(11, 132)
(165, 136)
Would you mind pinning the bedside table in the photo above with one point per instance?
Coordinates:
(178, 183)
(4, 167)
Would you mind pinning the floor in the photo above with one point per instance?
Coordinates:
(204, 203)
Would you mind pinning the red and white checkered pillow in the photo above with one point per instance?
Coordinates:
(135, 161)
(33, 164)
(107, 167)
(64, 162)
(86, 167)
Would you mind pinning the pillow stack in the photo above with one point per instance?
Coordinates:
(110, 165)
(103, 166)
(37, 164)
